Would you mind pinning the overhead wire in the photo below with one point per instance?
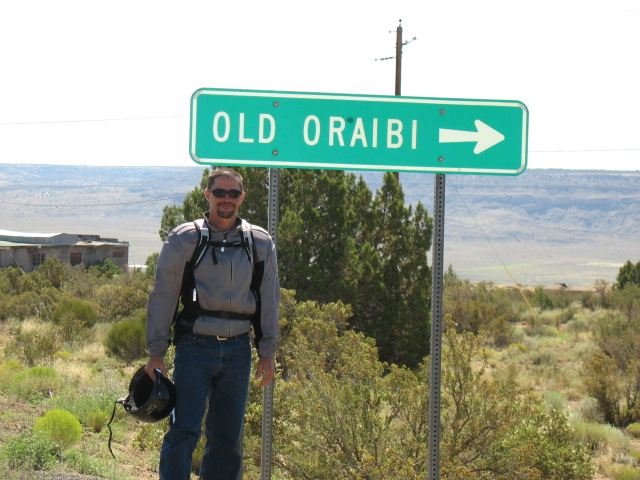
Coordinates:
(93, 120)
(515, 283)
(75, 205)
(587, 150)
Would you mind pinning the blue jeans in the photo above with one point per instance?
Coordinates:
(217, 371)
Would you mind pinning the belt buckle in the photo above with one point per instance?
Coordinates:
(222, 339)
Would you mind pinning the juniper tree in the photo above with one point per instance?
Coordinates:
(629, 274)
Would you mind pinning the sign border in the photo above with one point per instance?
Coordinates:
(357, 97)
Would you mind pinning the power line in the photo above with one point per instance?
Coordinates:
(126, 119)
(75, 205)
(587, 150)
(515, 283)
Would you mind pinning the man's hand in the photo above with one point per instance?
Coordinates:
(155, 363)
(265, 370)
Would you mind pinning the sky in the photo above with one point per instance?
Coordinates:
(109, 83)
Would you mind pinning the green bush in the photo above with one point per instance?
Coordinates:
(590, 411)
(35, 382)
(578, 325)
(61, 426)
(73, 330)
(21, 307)
(35, 347)
(613, 378)
(544, 444)
(629, 274)
(624, 472)
(29, 451)
(541, 299)
(634, 430)
(105, 268)
(8, 370)
(84, 311)
(149, 436)
(11, 280)
(123, 299)
(555, 401)
(565, 315)
(126, 339)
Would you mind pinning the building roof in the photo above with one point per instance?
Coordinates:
(8, 238)
(12, 233)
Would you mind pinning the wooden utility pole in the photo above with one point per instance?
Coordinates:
(399, 59)
(398, 87)
(398, 71)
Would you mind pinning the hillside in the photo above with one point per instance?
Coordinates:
(544, 227)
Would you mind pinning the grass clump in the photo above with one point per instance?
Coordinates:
(35, 383)
(622, 472)
(36, 346)
(85, 464)
(598, 436)
(555, 401)
(8, 370)
(96, 420)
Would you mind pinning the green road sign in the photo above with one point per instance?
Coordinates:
(358, 132)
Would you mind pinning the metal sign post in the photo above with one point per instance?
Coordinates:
(267, 398)
(436, 328)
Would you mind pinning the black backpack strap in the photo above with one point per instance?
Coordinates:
(204, 234)
(187, 288)
(256, 282)
(248, 241)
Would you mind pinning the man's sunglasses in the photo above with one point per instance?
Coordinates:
(221, 193)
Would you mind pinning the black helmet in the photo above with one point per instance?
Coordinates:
(149, 401)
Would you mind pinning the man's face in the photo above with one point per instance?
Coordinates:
(225, 207)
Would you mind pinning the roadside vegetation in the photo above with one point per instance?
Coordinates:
(536, 383)
(536, 389)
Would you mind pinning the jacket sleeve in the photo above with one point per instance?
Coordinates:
(270, 304)
(163, 300)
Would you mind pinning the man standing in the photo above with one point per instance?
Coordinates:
(232, 287)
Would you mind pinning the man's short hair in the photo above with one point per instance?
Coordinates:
(225, 172)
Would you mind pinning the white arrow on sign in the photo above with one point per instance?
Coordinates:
(485, 136)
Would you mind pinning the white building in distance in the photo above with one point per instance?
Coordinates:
(29, 250)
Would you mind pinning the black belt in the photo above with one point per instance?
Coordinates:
(218, 337)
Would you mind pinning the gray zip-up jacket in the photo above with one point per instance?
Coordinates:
(222, 286)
